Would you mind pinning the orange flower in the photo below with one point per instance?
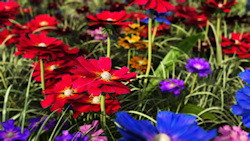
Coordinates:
(128, 42)
(134, 29)
(139, 63)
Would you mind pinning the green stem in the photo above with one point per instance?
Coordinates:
(129, 54)
(149, 46)
(4, 82)
(108, 45)
(42, 74)
(218, 46)
(194, 80)
(103, 112)
(155, 30)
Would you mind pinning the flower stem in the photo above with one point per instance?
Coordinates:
(3, 80)
(42, 74)
(194, 80)
(218, 46)
(149, 46)
(108, 45)
(129, 54)
(103, 112)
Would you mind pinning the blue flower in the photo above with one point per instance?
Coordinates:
(159, 17)
(242, 107)
(170, 127)
(175, 86)
(199, 65)
(12, 133)
(36, 123)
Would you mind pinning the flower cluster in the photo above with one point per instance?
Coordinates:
(8, 10)
(170, 127)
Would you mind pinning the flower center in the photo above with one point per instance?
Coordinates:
(43, 23)
(106, 75)
(237, 42)
(42, 45)
(220, 5)
(161, 137)
(68, 92)
(141, 62)
(53, 67)
(171, 85)
(95, 100)
(109, 19)
(10, 135)
(198, 66)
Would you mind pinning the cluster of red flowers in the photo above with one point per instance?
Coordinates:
(8, 10)
(239, 44)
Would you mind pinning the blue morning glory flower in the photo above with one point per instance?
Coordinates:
(170, 127)
(12, 133)
(198, 65)
(159, 17)
(242, 107)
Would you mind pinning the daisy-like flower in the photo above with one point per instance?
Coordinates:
(134, 28)
(138, 16)
(7, 37)
(219, 4)
(43, 20)
(65, 91)
(99, 77)
(107, 17)
(139, 63)
(172, 85)
(242, 107)
(98, 34)
(20, 30)
(128, 42)
(91, 131)
(53, 69)
(8, 10)
(199, 65)
(235, 134)
(239, 44)
(87, 103)
(161, 6)
(12, 133)
(170, 127)
(40, 45)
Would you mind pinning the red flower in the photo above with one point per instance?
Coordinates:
(8, 38)
(161, 6)
(199, 20)
(107, 17)
(21, 30)
(239, 44)
(40, 45)
(99, 77)
(8, 10)
(63, 92)
(43, 20)
(139, 15)
(219, 4)
(53, 69)
(87, 103)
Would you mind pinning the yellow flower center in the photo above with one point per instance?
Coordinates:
(141, 62)
(198, 66)
(161, 137)
(171, 85)
(43, 23)
(53, 67)
(220, 5)
(109, 19)
(96, 100)
(106, 75)
(68, 92)
(42, 45)
(237, 42)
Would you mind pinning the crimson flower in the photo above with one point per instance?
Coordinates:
(239, 44)
(21, 30)
(53, 69)
(8, 10)
(99, 77)
(219, 4)
(161, 6)
(65, 91)
(43, 20)
(138, 15)
(107, 17)
(6, 34)
(87, 103)
(40, 45)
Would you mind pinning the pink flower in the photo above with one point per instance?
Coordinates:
(235, 134)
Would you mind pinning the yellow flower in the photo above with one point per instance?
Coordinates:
(134, 29)
(139, 63)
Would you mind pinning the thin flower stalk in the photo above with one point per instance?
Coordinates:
(42, 74)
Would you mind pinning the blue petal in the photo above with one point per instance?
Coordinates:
(245, 76)
(8, 125)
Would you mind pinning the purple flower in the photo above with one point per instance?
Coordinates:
(199, 65)
(90, 131)
(172, 85)
(36, 123)
(12, 133)
(68, 137)
(235, 134)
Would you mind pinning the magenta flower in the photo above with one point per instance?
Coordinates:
(90, 131)
(172, 85)
(98, 34)
(235, 134)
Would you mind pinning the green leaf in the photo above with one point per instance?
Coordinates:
(194, 109)
(173, 56)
